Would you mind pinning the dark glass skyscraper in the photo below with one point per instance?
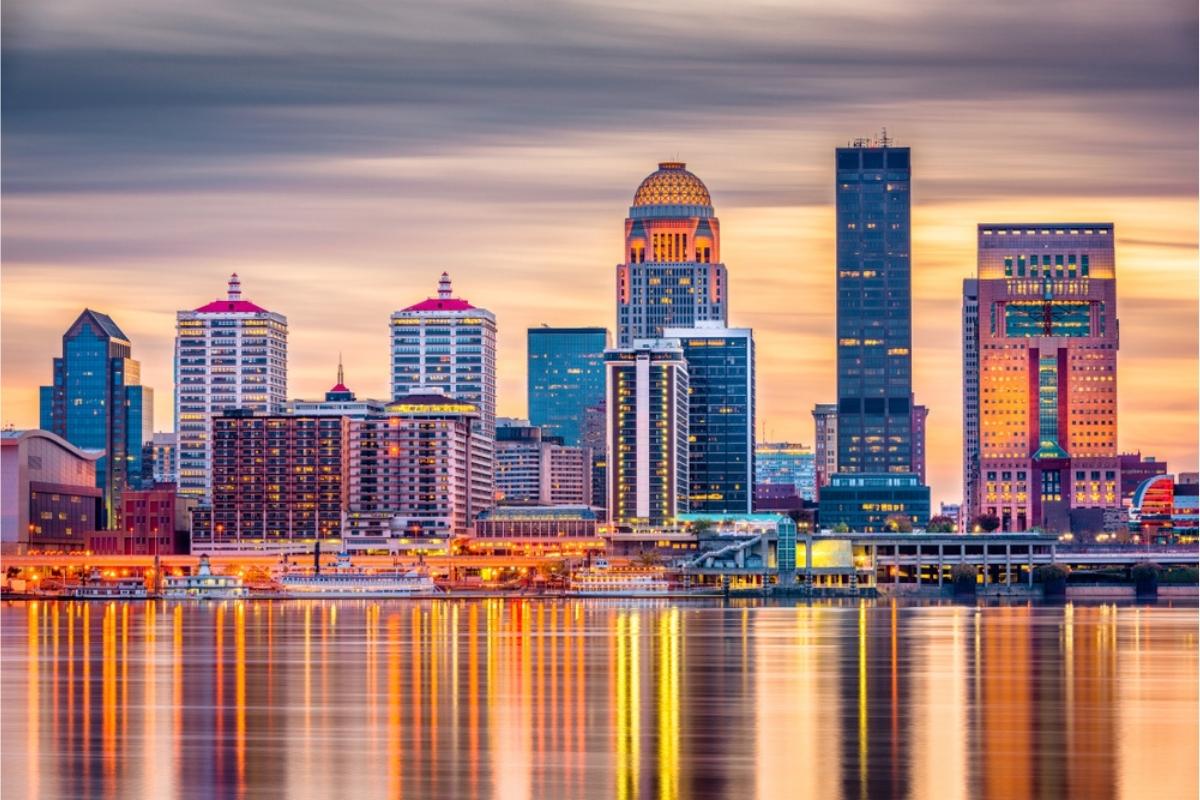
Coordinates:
(566, 377)
(875, 479)
(874, 309)
(720, 364)
(96, 403)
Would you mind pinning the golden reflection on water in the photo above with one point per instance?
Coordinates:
(520, 698)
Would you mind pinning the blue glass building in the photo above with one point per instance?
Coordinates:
(566, 376)
(97, 403)
(720, 363)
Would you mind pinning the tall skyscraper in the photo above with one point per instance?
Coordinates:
(97, 403)
(565, 376)
(970, 389)
(446, 345)
(229, 353)
(874, 342)
(647, 401)
(825, 447)
(720, 368)
(1048, 339)
(672, 276)
(874, 309)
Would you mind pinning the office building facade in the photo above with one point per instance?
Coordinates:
(229, 354)
(1048, 342)
(415, 474)
(535, 469)
(565, 377)
(279, 483)
(874, 309)
(721, 405)
(786, 464)
(648, 457)
(919, 414)
(672, 275)
(825, 438)
(445, 345)
(97, 402)
(970, 390)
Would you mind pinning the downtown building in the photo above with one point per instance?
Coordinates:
(721, 402)
(672, 276)
(1046, 438)
(535, 469)
(49, 496)
(647, 433)
(414, 476)
(825, 449)
(97, 403)
(278, 483)
(970, 394)
(565, 378)
(445, 346)
(785, 464)
(229, 354)
(875, 477)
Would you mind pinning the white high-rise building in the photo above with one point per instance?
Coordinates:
(446, 345)
(229, 353)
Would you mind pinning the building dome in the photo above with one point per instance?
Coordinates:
(672, 185)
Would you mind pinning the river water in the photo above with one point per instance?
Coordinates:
(604, 699)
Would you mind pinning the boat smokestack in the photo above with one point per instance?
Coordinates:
(317, 557)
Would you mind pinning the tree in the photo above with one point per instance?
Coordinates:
(702, 525)
(841, 527)
(941, 524)
(648, 558)
(986, 523)
(898, 523)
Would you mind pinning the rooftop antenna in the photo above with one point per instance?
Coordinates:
(883, 138)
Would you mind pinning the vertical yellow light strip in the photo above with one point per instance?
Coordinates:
(33, 699)
(862, 699)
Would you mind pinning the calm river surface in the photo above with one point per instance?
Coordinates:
(557, 699)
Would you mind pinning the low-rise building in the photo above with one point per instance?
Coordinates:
(49, 500)
(155, 521)
(538, 527)
(1166, 510)
(535, 469)
(865, 502)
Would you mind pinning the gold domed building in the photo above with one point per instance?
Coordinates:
(672, 275)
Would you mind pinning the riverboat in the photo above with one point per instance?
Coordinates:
(204, 585)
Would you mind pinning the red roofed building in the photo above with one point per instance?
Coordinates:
(446, 345)
(229, 353)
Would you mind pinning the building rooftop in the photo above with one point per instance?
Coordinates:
(672, 185)
(445, 300)
(233, 303)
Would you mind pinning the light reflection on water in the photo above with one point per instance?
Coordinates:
(518, 698)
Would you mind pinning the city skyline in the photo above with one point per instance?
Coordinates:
(339, 225)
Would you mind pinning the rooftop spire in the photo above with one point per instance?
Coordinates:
(444, 292)
(341, 377)
(235, 287)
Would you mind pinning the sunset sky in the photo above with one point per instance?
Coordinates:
(339, 156)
